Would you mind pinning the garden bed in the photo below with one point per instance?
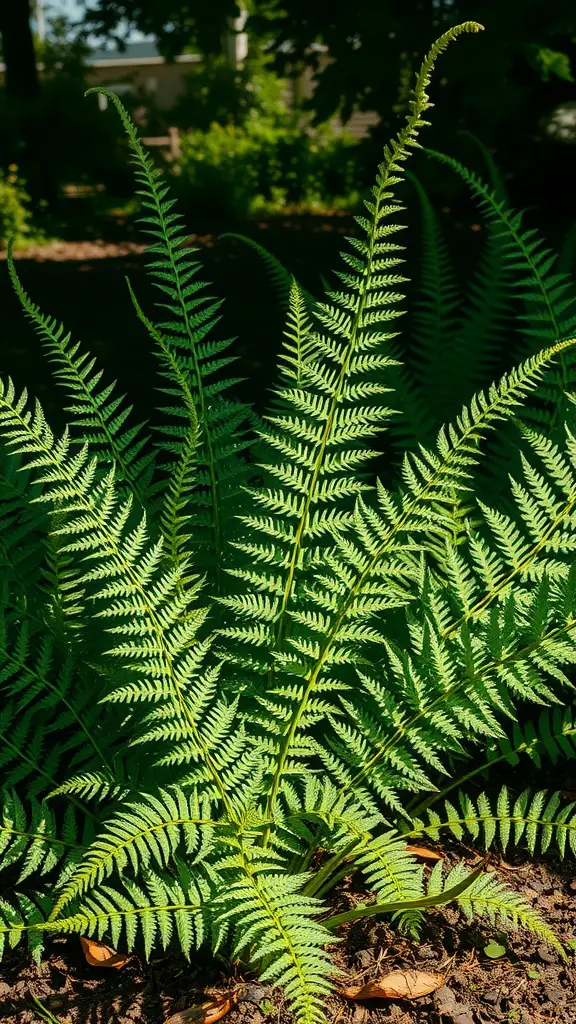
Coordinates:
(528, 984)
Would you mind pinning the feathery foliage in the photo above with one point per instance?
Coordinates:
(201, 692)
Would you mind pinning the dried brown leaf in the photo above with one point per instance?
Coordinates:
(100, 955)
(397, 985)
(423, 853)
(205, 1013)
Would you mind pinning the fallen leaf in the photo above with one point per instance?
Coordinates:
(423, 853)
(99, 955)
(205, 1013)
(494, 950)
(397, 985)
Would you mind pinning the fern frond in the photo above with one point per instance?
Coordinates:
(98, 413)
(152, 609)
(278, 927)
(552, 735)
(157, 907)
(488, 897)
(194, 359)
(31, 839)
(539, 820)
(142, 836)
(548, 295)
(327, 422)
(50, 715)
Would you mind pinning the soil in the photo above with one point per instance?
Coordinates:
(528, 984)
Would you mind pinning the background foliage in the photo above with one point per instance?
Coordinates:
(521, 73)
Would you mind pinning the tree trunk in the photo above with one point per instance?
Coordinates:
(21, 75)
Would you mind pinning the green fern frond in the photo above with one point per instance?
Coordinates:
(488, 897)
(194, 359)
(552, 735)
(152, 609)
(327, 422)
(539, 820)
(157, 908)
(31, 840)
(277, 927)
(547, 294)
(98, 413)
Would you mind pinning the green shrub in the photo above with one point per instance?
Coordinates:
(233, 677)
(267, 164)
(15, 212)
(244, 151)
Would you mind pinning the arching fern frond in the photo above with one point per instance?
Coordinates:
(141, 836)
(157, 907)
(488, 897)
(323, 433)
(98, 412)
(549, 298)
(194, 359)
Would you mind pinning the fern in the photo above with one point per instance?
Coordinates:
(190, 360)
(98, 413)
(546, 294)
(227, 685)
(539, 820)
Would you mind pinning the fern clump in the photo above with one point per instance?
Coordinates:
(226, 648)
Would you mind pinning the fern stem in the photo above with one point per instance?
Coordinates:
(420, 904)
(42, 837)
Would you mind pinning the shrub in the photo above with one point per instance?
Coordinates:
(14, 208)
(245, 152)
(216, 667)
(267, 164)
